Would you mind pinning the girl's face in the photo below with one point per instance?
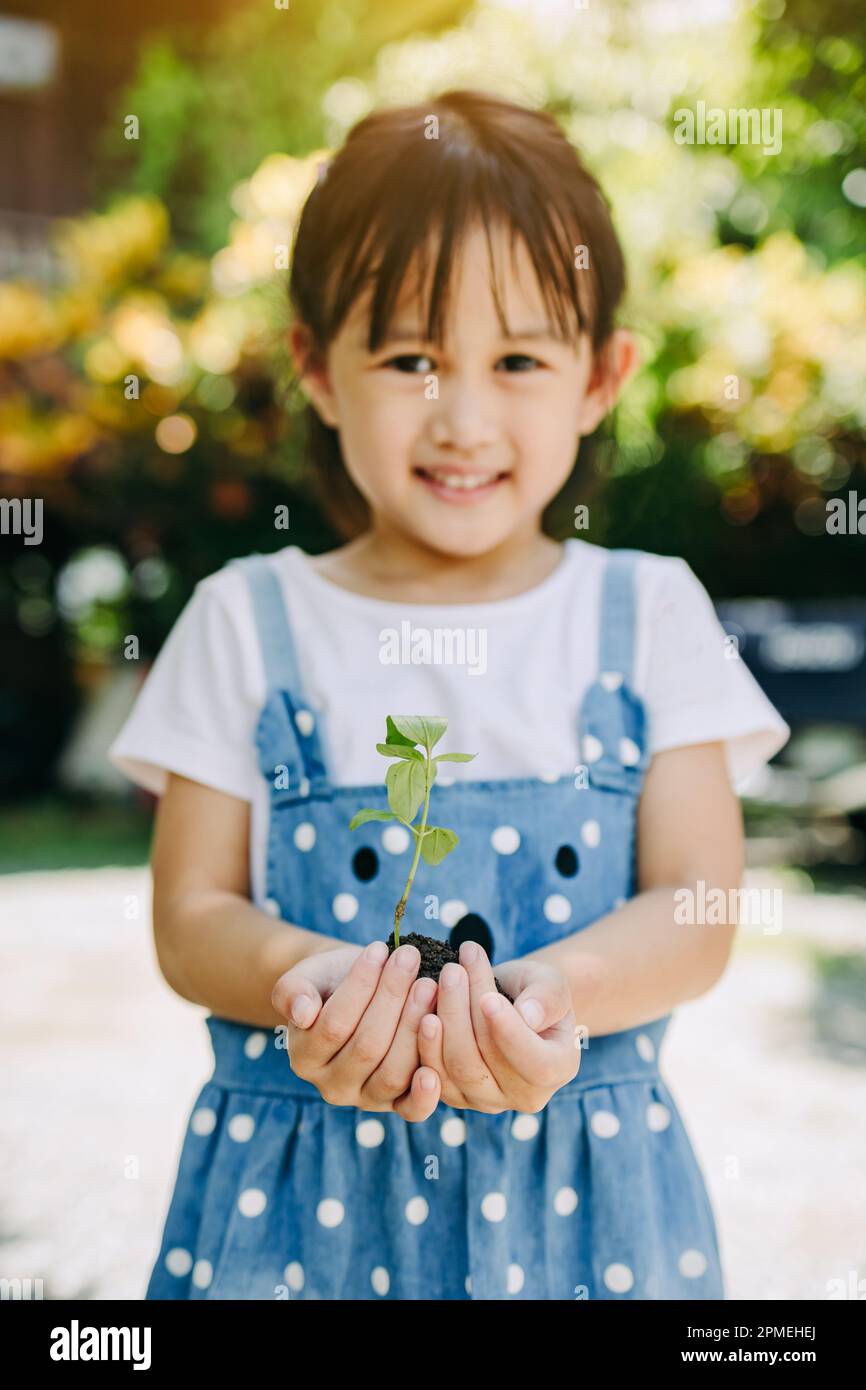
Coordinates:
(460, 449)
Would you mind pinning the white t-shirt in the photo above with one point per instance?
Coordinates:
(511, 695)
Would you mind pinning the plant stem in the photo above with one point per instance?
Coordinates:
(419, 836)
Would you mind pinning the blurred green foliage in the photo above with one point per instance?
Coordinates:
(747, 293)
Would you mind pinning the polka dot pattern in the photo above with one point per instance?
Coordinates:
(525, 1127)
(658, 1117)
(557, 908)
(505, 839)
(565, 1201)
(294, 1276)
(451, 912)
(330, 1212)
(255, 1045)
(305, 836)
(252, 1202)
(593, 748)
(304, 722)
(395, 839)
(590, 833)
(203, 1120)
(179, 1263)
(629, 753)
(417, 1211)
(345, 907)
(241, 1128)
(605, 1124)
(453, 1132)
(370, 1134)
(618, 1278)
(202, 1274)
(494, 1206)
(381, 1281)
(692, 1264)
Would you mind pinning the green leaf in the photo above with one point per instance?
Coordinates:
(393, 734)
(455, 757)
(399, 750)
(361, 817)
(421, 728)
(437, 842)
(406, 787)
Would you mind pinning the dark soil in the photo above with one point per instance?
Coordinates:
(434, 954)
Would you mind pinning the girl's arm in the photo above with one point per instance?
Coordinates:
(213, 946)
(637, 963)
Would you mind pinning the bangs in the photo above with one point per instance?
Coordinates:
(412, 211)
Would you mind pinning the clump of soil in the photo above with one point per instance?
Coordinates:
(434, 954)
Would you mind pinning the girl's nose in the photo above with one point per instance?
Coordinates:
(462, 418)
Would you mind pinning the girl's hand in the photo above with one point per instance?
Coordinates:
(488, 1057)
(356, 1039)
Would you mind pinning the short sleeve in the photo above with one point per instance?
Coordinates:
(197, 710)
(697, 688)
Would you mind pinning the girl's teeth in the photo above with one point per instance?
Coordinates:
(458, 480)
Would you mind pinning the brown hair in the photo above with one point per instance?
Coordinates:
(437, 166)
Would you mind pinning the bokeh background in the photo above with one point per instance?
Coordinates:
(151, 159)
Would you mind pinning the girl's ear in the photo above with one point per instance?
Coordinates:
(313, 373)
(611, 369)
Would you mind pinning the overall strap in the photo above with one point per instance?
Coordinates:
(616, 646)
(280, 658)
(612, 723)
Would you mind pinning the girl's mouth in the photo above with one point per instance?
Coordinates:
(459, 487)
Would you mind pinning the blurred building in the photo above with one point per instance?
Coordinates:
(61, 68)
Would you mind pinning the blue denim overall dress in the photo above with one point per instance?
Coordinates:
(282, 1195)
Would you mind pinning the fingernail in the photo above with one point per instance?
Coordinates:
(492, 1004)
(469, 953)
(376, 953)
(424, 992)
(301, 1009)
(406, 958)
(429, 1026)
(532, 1012)
(450, 975)
(427, 1081)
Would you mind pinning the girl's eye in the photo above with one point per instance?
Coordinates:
(520, 362)
(406, 363)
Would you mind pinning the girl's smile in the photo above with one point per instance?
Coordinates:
(459, 486)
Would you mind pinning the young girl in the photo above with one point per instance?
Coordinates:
(368, 1134)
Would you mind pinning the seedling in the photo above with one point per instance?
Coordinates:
(410, 740)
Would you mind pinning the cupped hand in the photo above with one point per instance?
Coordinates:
(488, 1056)
(353, 1015)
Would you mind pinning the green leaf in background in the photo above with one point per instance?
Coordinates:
(406, 786)
(422, 728)
(436, 843)
(361, 817)
(399, 750)
(393, 734)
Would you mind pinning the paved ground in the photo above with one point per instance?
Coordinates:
(103, 1060)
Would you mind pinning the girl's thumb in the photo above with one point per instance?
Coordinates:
(296, 999)
(531, 1010)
